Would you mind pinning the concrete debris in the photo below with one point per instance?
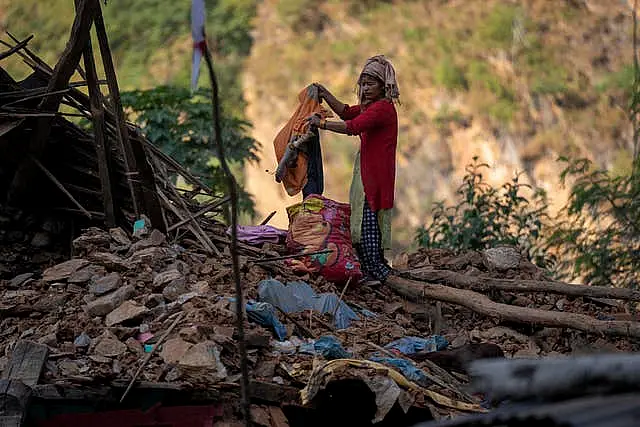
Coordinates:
(117, 300)
(107, 303)
(108, 283)
(63, 271)
(128, 310)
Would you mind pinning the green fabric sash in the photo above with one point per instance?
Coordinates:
(356, 200)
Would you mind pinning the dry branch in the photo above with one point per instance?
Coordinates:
(418, 291)
(451, 278)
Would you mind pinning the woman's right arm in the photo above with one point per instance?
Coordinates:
(337, 106)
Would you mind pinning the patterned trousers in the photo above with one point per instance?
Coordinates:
(370, 249)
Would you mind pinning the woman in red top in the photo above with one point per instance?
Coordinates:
(376, 122)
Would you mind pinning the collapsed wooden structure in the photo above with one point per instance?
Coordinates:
(109, 176)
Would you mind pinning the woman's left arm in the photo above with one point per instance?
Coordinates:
(375, 116)
(333, 126)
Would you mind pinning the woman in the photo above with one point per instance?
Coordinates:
(375, 121)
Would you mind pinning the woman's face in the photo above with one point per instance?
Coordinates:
(370, 88)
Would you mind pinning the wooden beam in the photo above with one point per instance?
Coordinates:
(64, 69)
(27, 362)
(102, 149)
(122, 133)
(139, 172)
(14, 401)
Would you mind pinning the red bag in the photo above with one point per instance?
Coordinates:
(319, 224)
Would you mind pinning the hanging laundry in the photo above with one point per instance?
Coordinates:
(299, 146)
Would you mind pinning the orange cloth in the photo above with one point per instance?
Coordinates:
(296, 178)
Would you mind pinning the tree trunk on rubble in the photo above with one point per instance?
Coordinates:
(485, 283)
(481, 304)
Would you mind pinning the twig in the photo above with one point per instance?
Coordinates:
(233, 193)
(201, 212)
(335, 310)
(280, 258)
(268, 218)
(148, 356)
(202, 237)
(16, 48)
(60, 186)
(306, 331)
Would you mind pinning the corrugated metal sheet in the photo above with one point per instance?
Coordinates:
(621, 410)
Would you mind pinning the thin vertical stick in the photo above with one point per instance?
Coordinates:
(233, 193)
(97, 114)
(635, 96)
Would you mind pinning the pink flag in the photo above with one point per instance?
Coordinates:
(198, 15)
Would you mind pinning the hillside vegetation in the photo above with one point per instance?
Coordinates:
(515, 83)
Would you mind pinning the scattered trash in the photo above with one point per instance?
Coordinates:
(264, 314)
(328, 347)
(82, 341)
(406, 368)
(412, 345)
(258, 234)
(141, 227)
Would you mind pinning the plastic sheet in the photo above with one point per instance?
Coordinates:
(299, 296)
(411, 345)
(264, 314)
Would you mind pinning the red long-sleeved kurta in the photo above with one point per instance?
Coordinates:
(377, 126)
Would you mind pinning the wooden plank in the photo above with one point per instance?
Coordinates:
(14, 401)
(278, 419)
(101, 143)
(10, 125)
(122, 134)
(140, 174)
(27, 362)
(64, 69)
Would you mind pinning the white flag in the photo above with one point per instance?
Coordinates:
(198, 16)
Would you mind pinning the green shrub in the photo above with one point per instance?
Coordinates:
(180, 125)
(598, 231)
(449, 75)
(480, 75)
(496, 29)
(485, 216)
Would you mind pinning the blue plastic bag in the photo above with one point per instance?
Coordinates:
(264, 314)
(328, 347)
(411, 345)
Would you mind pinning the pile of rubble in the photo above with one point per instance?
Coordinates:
(101, 313)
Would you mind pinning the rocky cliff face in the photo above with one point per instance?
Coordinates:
(517, 84)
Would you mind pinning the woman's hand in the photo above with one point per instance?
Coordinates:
(314, 120)
(323, 92)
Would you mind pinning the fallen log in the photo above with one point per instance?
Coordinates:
(481, 304)
(451, 278)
